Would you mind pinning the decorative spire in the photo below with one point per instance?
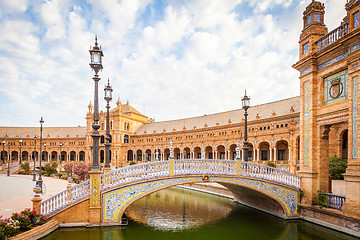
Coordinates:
(156, 155)
(96, 43)
(90, 107)
(237, 151)
(118, 102)
(171, 150)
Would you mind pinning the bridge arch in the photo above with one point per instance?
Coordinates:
(112, 192)
(115, 201)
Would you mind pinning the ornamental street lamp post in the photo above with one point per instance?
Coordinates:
(96, 64)
(3, 152)
(108, 96)
(9, 158)
(41, 129)
(20, 143)
(34, 158)
(116, 160)
(245, 104)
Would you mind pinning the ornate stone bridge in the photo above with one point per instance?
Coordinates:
(104, 198)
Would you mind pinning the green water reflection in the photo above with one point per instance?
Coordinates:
(178, 214)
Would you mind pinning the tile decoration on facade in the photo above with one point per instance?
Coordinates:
(95, 191)
(306, 71)
(334, 60)
(356, 19)
(354, 122)
(335, 84)
(115, 202)
(354, 48)
(171, 166)
(306, 123)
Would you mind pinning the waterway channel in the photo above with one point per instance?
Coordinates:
(183, 214)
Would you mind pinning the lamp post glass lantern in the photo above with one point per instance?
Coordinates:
(108, 97)
(245, 104)
(96, 55)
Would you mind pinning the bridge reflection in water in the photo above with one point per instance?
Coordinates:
(178, 209)
(179, 214)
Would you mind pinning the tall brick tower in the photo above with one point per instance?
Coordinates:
(328, 66)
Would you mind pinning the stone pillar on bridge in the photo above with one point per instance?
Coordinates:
(95, 198)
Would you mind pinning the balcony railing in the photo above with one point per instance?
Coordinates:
(333, 36)
(334, 201)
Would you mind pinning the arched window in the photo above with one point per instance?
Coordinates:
(126, 139)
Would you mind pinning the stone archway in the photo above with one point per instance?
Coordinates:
(344, 145)
(209, 152)
(82, 156)
(187, 153)
(282, 151)
(177, 154)
(197, 152)
(139, 155)
(220, 152)
(54, 156)
(264, 151)
(130, 155)
(166, 154)
(147, 155)
(232, 149)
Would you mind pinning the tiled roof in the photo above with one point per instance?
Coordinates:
(125, 108)
(48, 132)
(280, 108)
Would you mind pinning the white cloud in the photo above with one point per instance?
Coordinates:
(13, 6)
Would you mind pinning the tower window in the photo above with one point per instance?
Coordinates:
(356, 19)
(308, 20)
(306, 48)
(317, 17)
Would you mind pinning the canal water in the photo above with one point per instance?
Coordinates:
(178, 214)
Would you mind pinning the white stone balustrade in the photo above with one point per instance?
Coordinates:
(65, 198)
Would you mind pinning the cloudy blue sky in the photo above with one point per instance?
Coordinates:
(169, 59)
